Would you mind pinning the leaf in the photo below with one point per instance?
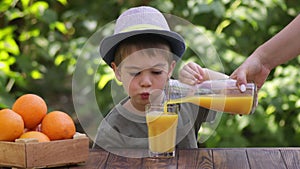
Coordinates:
(63, 2)
(10, 45)
(5, 5)
(25, 3)
(104, 79)
(14, 14)
(38, 8)
(59, 26)
(7, 31)
(222, 25)
(26, 35)
(59, 59)
(35, 74)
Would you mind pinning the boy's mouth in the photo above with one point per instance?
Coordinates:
(145, 95)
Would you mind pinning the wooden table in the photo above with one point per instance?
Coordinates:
(231, 158)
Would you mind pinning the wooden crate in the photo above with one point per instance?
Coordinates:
(28, 154)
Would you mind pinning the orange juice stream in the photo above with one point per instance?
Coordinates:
(230, 104)
(162, 131)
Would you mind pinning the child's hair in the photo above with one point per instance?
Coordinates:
(142, 42)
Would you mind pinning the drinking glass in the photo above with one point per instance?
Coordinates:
(162, 126)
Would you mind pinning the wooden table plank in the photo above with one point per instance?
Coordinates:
(96, 160)
(124, 159)
(163, 163)
(230, 158)
(291, 157)
(195, 158)
(265, 158)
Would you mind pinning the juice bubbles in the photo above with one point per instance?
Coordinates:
(230, 104)
(162, 131)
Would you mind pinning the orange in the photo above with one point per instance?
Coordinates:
(11, 125)
(58, 125)
(41, 137)
(32, 108)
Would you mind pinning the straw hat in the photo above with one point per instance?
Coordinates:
(136, 21)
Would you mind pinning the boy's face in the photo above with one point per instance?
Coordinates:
(142, 74)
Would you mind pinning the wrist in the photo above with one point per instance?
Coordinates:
(263, 58)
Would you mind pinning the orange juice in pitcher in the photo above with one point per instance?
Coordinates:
(218, 95)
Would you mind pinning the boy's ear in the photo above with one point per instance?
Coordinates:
(115, 68)
(172, 66)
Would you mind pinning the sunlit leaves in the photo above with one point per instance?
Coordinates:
(7, 42)
(7, 31)
(5, 5)
(297, 105)
(59, 59)
(26, 35)
(271, 109)
(59, 26)
(32, 46)
(222, 25)
(35, 74)
(38, 8)
(104, 79)
(64, 2)
(14, 14)
(25, 3)
(198, 7)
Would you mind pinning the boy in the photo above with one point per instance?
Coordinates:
(143, 53)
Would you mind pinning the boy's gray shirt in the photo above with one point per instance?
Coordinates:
(124, 129)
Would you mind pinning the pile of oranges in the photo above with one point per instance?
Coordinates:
(28, 118)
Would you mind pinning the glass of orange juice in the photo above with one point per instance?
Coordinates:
(162, 126)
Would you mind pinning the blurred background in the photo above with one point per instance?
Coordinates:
(40, 42)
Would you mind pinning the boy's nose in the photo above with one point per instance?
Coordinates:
(145, 81)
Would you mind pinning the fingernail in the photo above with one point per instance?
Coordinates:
(242, 88)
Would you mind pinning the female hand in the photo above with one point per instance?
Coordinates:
(252, 70)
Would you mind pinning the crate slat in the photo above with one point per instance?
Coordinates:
(47, 154)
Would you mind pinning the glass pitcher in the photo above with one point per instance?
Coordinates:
(218, 95)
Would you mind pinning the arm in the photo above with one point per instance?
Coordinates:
(281, 48)
(193, 73)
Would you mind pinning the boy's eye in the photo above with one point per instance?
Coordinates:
(157, 72)
(134, 74)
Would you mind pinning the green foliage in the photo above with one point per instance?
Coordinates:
(40, 42)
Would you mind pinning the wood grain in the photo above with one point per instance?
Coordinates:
(12, 154)
(230, 158)
(265, 158)
(163, 163)
(291, 157)
(25, 154)
(62, 152)
(97, 160)
(216, 158)
(195, 158)
(115, 161)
